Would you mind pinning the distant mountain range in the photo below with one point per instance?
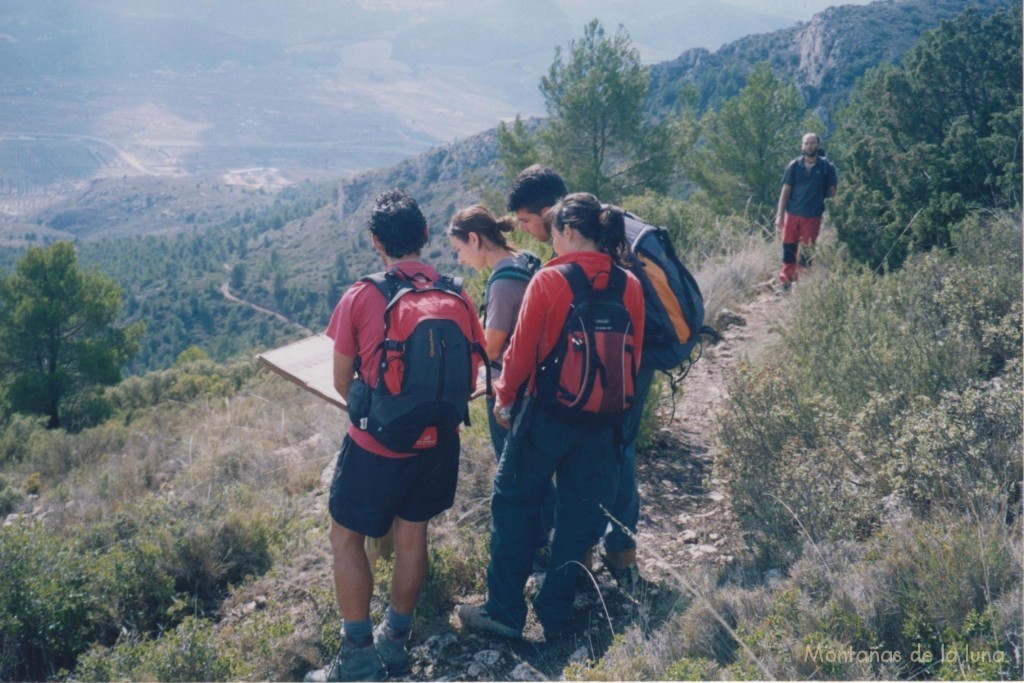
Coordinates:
(824, 57)
(295, 251)
(318, 88)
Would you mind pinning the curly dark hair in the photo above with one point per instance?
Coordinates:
(536, 188)
(398, 224)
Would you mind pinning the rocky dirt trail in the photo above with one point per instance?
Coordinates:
(685, 523)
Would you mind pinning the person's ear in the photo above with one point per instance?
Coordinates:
(377, 244)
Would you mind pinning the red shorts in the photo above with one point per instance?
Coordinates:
(800, 229)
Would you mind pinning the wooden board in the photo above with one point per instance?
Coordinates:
(308, 363)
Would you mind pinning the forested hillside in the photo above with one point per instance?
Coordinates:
(293, 251)
(836, 494)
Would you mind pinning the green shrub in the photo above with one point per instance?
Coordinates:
(880, 396)
(188, 653)
(10, 496)
(134, 586)
(16, 437)
(182, 383)
(936, 586)
(853, 610)
(697, 232)
(46, 602)
(787, 470)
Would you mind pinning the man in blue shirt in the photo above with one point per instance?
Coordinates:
(809, 180)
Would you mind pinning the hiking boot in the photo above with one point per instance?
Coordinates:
(476, 617)
(352, 664)
(393, 650)
(628, 578)
(541, 559)
(622, 567)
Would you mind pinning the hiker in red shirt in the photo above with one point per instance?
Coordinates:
(547, 437)
(377, 482)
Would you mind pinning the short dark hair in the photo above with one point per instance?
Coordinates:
(398, 224)
(536, 188)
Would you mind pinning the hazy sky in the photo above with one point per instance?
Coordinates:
(367, 80)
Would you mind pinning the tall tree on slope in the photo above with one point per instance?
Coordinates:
(58, 341)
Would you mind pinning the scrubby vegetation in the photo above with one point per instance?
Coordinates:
(872, 459)
(874, 464)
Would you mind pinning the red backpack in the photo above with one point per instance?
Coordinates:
(589, 375)
(426, 372)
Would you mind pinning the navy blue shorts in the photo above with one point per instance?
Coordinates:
(369, 491)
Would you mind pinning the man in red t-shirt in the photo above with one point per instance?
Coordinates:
(375, 487)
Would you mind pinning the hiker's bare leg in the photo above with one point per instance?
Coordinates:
(353, 580)
(410, 564)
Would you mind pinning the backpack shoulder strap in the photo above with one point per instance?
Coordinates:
(576, 278)
(392, 284)
(516, 272)
(579, 283)
(449, 283)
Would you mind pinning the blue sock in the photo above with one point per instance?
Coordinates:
(359, 633)
(399, 624)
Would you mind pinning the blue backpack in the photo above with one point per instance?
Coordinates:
(673, 303)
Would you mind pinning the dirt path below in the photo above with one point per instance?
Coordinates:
(685, 517)
(225, 291)
(685, 523)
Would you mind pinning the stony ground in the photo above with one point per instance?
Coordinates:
(685, 525)
(685, 521)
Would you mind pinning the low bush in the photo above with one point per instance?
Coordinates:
(182, 383)
(881, 396)
(938, 587)
(188, 653)
(47, 603)
(134, 574)
(10, 496)
(17, 434)
(919, 600)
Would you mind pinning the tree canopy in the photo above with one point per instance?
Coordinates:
(924, 144)
(597, 136)
(58, 341)
(747, 143)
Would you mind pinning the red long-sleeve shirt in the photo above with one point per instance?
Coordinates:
(544, 310)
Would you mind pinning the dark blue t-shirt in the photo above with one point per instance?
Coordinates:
(810, 186)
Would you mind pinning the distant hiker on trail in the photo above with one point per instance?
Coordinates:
(576, 348)
(399, 461)
(808, 181)
(534, 191)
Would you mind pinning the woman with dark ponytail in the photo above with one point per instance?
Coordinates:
(547, 438)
